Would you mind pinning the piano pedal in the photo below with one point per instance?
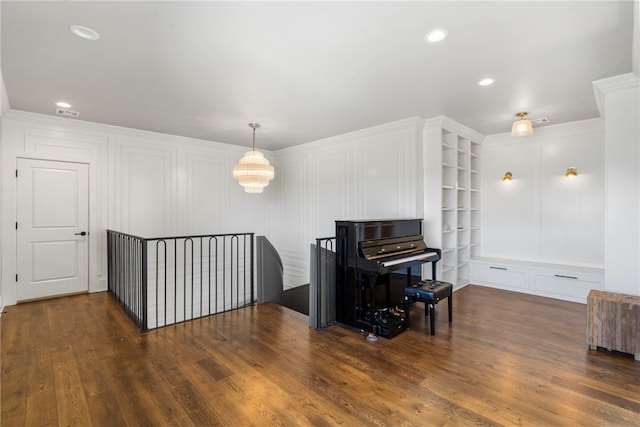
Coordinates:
(397, 311)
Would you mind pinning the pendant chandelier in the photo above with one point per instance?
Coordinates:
(253, 171)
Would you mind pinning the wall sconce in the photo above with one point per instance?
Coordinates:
(507, 178)
(571, 173)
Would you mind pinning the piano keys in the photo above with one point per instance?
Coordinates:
(367, 252)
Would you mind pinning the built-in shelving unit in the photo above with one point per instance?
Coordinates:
(452, 196)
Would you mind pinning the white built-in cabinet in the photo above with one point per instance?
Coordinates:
(560, 281)
(452, 196)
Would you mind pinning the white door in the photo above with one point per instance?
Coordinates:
(52, 229)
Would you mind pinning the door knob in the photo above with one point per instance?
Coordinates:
(82, 233)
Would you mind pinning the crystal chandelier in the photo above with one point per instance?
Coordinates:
(253, 171)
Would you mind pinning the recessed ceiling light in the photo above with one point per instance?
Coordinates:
(486, 82)
(84, 32)
(436, 36)
(63, 104)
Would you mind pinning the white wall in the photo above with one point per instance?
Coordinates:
(542, 216)
(368, 174)
(140, 182)
(619, 103)
(4, 107)
(4, 97)
(635, 44)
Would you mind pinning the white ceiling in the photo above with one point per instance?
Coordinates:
(307, 71)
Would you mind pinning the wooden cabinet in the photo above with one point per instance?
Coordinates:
(613, 322)
(452, 195)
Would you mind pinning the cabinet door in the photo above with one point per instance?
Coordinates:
(498, 275)
(565, 284)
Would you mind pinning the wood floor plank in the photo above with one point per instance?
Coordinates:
(104, 410)
(508, 359)
(72, 408)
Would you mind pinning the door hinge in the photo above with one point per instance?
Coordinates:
(16, 173)
(16, 225)
(16, 277)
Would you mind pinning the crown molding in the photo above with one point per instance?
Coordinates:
(76, 125)
(580, 127)
(450, 125)
(414, 122)
(603, 86)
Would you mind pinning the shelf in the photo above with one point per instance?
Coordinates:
(460, 165)
(446, 268)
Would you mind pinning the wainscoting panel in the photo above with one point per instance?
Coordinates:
(203, 191)
(330, 193)
(541, 215)
(382, 164)
(292, 219)
(147, 190)
(371, 173)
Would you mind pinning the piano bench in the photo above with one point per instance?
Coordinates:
(430, 292)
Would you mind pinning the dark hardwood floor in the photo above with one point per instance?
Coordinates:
(508, 359)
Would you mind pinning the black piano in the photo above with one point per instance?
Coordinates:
(367, 253)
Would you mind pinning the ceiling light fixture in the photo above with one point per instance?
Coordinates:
(84, 32)
(572, 172)
(436, 36)
(521, 127)
(253, 171)
(63, 104)
(486, 82)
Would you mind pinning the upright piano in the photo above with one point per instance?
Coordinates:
(367, 252)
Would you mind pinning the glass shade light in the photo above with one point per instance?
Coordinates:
(521, 127)
(253, 171)
(507, 178)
